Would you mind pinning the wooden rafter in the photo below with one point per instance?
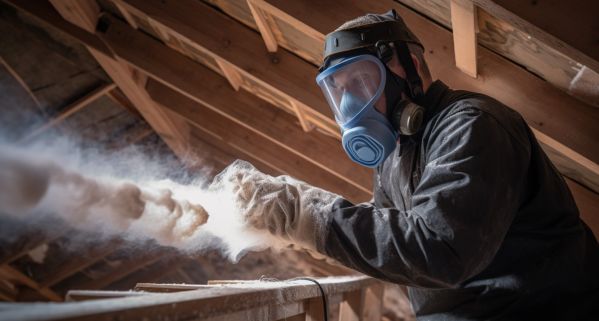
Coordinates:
(127, 268)
(71, 109)
(174, 131)
(18, 78)
(512, 37)
(249, 143)
(266, 28)
(463, 22)
(11, 273)
(82, 13)
(278, 78)
(71, 266)
(204, 86)
(539, 103)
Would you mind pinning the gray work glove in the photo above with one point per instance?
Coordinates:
(291, 210)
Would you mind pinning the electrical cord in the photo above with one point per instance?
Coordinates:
(325, 305)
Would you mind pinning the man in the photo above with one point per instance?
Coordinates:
(468, 211)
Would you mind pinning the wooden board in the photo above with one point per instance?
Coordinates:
(568, 123)
(260, 301)
(281, 75)
(243, 109)
(254, 146)
(514, 38)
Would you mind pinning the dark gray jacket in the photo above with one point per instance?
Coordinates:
(474, 218)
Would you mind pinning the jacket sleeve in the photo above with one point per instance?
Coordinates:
(461, 210)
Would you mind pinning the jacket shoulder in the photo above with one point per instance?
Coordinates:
(479, 104)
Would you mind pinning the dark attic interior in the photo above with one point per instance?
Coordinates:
(117, 115)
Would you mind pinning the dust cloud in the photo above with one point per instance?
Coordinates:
(124, 196)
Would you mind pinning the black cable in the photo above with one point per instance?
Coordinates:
(325, 305)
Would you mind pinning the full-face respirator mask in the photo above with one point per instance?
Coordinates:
(354, 77)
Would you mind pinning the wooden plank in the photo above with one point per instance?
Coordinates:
(46, 12)
(86, 295)
(570, 163)
(50, 275)
(351, 306)
(253, 145)
(20, 80)
(315, 310)
(166, 288)
(265, 29)
(130, 20)
(372, 304)
(539, 103)
(230, 73)
(11, 273)
(123, 270)
(463, 21)
(82, 13)
(574, 34)
(149, 273)
(71, 109)
(174, 132)
(176, 136)
(206, 87)
(513, 39)
(194, 305)
(120, 99)
(282, 73)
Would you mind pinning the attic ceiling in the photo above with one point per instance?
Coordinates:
(207, 82)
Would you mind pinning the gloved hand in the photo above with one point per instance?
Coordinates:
(289, 209)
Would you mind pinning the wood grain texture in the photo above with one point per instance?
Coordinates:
(463, 18)
(551, 112)
(511, 38)
(281, 74)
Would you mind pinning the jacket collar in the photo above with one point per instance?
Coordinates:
(433, 99)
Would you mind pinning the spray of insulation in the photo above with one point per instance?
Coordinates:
(40, 181)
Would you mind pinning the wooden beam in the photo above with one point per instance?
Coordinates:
(278, 78)
(554, 28)
(20, 80)
(149, 274)
(130, 20)
(502, 32)
(463, 22)
(120, 99)
(263, 25)
(254, 146)
(539, 103)
(204, 86)
(123, 270)
(223, 302)
(372, 302)
(11, 273)
(47, 13)
(87, 295)
(71, 109)
(230, 73)
(50, 276)
(82, 13)
(174, 132)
